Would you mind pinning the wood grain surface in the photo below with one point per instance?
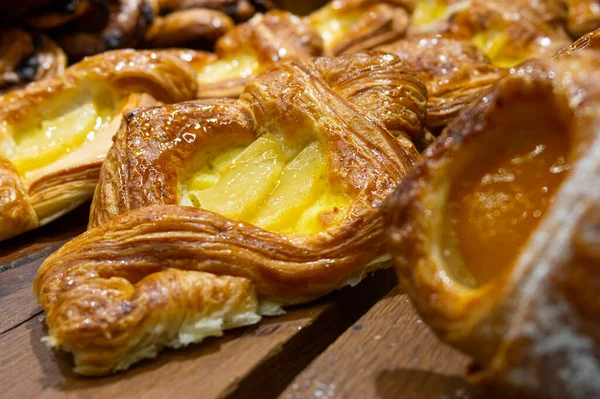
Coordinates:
(389, 353)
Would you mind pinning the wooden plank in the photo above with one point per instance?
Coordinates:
(388, 353)
(13, 251)
(213, 369)
(17, 303)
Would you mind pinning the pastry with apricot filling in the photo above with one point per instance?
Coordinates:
(210, 213)
(507, 31)
(54, 134)
(495, 233)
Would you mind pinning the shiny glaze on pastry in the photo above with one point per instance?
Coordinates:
(494, 233)
(298, 142)
(492, 26)
(55, 133)
(455, 72)
(26, 57)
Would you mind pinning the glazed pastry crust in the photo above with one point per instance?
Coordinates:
(455, 72)
(139, 231)
(530, 330)
(137, 78)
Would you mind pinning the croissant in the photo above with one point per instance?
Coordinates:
(455, 72)
(26, 57)
(340, 26)
(495, 233)
(55, 133)
(508, 31)
(212, 212)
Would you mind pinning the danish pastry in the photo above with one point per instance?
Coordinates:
(492, 26)
(202, 204)
(55, 133)
(495, 233)
(340, 26)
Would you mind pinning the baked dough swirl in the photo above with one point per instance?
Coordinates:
(164, 274)
(55, 133)
(495, 233)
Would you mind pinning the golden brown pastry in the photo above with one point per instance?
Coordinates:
(26, 57)
(455, 72)
(583, 16)
(55, 133)
(495, 233)
(340, 26)
(276, 193)
(508, 31)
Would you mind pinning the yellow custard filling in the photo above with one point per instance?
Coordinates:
(496, 44)
(270, 184)
(332, 25)
(45, 141)
(429, 11)
(239, 66)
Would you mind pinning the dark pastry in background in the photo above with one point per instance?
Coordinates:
(26, 57)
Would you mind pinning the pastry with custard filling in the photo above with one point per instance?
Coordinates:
(207, 210)
(55, 133)
(341, 26)
(507, 31)
(495, 233)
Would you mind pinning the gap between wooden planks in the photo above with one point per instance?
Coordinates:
(388, 354)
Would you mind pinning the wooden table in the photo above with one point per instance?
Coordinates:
(362, 342)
